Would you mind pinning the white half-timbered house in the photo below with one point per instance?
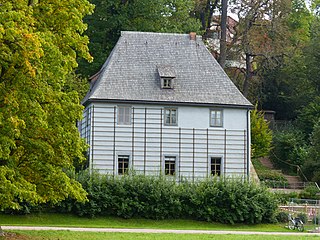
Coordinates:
(161, 104)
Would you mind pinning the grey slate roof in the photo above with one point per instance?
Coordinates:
(131, 72)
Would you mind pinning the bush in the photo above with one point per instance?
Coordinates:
(261, 135)
(303, 217)
(282, 217)
(310, 192)
(226, 201)
(289, 147)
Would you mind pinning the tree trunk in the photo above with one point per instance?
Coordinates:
(248, 75)
(223, 39)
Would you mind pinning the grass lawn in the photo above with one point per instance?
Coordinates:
(67, 220)
(66, 235)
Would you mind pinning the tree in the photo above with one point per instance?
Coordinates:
(261, 36)
(204, 10)
(223, 40)
(293, 84)
(261, 135)
(312, 165)
(111, 17)
(39, 42)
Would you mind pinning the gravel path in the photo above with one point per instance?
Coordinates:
(135, 230)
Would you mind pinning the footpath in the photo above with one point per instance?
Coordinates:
(135, 230)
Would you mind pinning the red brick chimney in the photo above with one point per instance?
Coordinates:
(193, 36)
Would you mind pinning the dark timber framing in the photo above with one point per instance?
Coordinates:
(145, 142)
(92, 135)
(225, 153)
(114, 138)
(193, 153)
(161, 126)
(132, 147)
(147, 139)
(179, 154)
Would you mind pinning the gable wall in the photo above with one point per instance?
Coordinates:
(147, 140)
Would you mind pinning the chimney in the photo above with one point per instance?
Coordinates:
(193, 36)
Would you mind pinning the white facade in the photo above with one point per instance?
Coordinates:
(148, 141)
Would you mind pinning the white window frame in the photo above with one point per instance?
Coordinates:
(169, 111)
(216, 121)
(123, 156)
(221, 165)
(123, 117)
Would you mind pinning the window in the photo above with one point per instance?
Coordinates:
(170, 116)
(124, 115)
(167, 82)
(216, 118)
(215, 166)
(170, 165)
(123, 164)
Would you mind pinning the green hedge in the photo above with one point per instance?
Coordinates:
(226, 201)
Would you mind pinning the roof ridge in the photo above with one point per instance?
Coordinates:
(123, 33)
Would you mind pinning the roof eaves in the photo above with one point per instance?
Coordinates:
(170, 103)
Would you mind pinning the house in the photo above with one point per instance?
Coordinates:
(161, 104)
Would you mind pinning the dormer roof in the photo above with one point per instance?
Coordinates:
(166, 71)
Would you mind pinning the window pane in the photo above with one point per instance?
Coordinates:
(174, 116)
(216, 118)
(170, 116)
(123, 164)
(170, 165)
(216, 166)
(124, 115)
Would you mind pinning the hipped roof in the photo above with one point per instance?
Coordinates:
(131, 72)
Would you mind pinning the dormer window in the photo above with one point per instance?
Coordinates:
(167, 82)
(167, 76)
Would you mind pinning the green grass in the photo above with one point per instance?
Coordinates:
(64, 220)
(67, 220)
(66, 235)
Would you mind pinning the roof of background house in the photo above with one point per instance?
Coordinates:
(131, 72)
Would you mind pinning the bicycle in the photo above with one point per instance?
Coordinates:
(295, 223)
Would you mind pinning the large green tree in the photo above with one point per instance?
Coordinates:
(113, 16)
(39, 43)
(295, 82)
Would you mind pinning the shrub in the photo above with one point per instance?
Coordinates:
(310, 192)
(282, 217)
(289, 147)
(303, 217)
(226, 201)
(261, 135)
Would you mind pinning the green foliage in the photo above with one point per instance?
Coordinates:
(218, 200)
(309, 116)
(289, 147)
(303, 217)
(39, 42)
(291, 85)
(270, 177)
(285, 198)
(282, 217)
(312, 166)
(310, 192)
(112, 16)
(261, 135)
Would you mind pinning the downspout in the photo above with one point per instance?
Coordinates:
(248, 144)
